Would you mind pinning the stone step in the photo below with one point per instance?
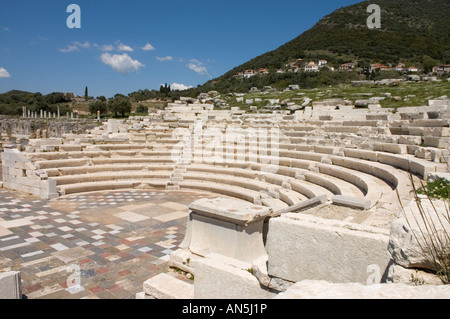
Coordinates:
(358, 203)
(110, 176)
(164, 286)
(224, 189)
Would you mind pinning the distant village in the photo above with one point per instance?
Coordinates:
(301, 65)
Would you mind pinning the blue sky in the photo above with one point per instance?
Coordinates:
(123, 46)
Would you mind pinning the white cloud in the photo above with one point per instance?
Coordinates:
(197, 66)
(179, 87)
(121, 63)
(4, 73)
(75, 46)
(4, 28)
(84, 45)
(123, 47)
(107, 47)
(148, 47)
(70, 48)
(166, 58)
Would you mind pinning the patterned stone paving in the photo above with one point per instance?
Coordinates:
(108, 243)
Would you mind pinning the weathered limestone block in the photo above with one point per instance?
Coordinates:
(438, 142)
(423, 152)
(398, 274)
(20, 174)
(391, 148)
(318, 200)
(10, 285)
(409, 234)
(430, 123)
(440, 104)
(352, 202)
(164, 286)
(228, 229)
(362, 154)
(394, 160)
(232, 213)
(311, 289)
(305, 247)
(362, 103)
(113, 126)
(216, 280)
(378, 117)
(410, 140)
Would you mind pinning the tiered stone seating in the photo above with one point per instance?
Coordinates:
(355, 159)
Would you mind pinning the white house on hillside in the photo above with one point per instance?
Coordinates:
(322, 63)
(311, 67)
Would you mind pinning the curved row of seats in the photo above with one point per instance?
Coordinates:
(303, 170)
(300, 175)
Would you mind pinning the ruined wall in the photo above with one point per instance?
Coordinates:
(19, 173)
(26, 128)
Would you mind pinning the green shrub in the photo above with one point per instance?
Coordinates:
(438, 189)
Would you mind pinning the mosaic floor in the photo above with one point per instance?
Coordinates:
(104, 244)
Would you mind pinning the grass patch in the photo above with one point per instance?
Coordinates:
(405, 94)
(439, 189)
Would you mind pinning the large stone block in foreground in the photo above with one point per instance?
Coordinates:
(10, 285)
(302, 247)
(419, 232)
(227, 228)
(311, 289)
(217, 280)
(163, 286)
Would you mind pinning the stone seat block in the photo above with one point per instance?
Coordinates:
(61, 163)
(381, 171)
(274, 203)
(358, 203)
(10, 285)
(301, 246)
(391, 148)
(94, 169)
(228, 190)
(230, 180)
(429, 123)
(360, 123)
(317, 289)
(94, 186)
(70, 148)
(164, 286)
(309, 190)
(111, 176)
(303, 205)
(290, 197)
(133, 160)
(365, 183)
(218, 169)
(438, 142)
(67, 155)
(322, 181)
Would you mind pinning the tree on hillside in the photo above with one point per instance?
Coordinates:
(96, 106)
(142, 109)
(86, 95)
(429, 63)
(55, 98)
(165, 89)
(119, 105)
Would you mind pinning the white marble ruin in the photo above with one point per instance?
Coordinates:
(311, 211)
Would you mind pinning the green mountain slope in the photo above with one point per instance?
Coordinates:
(412, 31)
